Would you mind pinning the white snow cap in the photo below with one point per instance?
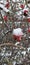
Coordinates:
(5, 2)
(28, 49)
(29, 5)
(1, 1)
(24, 52)
(19, 13)
(29, 37)
(15, 0)
(17, 31)
(1, 22)
(14, 62)
(4, 8)
(17, 43)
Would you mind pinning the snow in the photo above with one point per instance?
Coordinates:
(16, 43)
(14, 62)
(0, 22)
(4, 8)
(28, 5)
(15, 0)
(24, 52)
(1, 1)
(28, 49)
(8, 54)
(17, 32)
(19, 13)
